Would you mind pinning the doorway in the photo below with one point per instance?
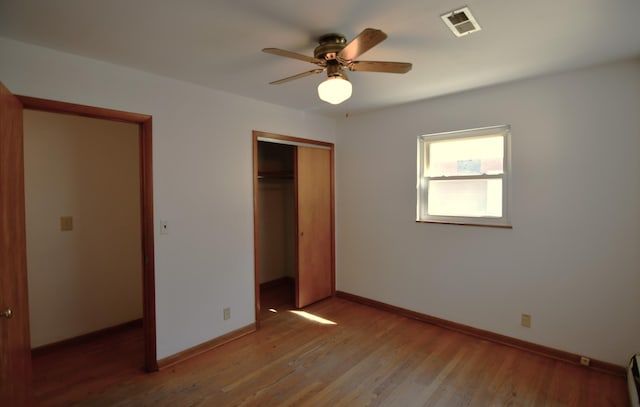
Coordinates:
(144, 124)
(277, 225)
(293, 221)
(15, 373)
(82, 198)
(84, 265)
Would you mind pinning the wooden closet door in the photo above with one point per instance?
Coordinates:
(314, 280)
(15, 345)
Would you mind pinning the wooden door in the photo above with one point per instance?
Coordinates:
(314, 197)
(15, 345)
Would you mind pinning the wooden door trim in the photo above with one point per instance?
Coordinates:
(15, 358)
(293, 140)
(256, 244)
(256, 230)
(144, 122)
(296, 212)
(54, 106)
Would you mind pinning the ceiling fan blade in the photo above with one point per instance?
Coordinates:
(380, 66)
(298, 76)
(294, 55)
(366, 40)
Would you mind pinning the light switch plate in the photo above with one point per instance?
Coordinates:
(66, 223)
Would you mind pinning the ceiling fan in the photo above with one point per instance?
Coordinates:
(334, 55)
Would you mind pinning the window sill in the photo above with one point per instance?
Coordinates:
(466, 224)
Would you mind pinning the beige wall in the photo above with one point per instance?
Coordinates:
(276, 211)
(277, 229)
(91, 277)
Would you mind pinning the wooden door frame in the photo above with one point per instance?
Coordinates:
(256, 243)
(15, 358)
(144, 123)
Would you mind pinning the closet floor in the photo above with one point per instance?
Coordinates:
(275, 297)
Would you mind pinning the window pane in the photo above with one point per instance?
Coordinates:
(469, 156)
(471, 198)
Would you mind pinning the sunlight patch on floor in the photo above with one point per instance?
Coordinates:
(313, 318)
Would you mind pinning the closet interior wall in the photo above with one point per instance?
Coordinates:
(276, 205)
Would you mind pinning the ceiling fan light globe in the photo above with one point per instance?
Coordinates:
(335, 90)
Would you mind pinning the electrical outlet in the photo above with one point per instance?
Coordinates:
(226, 313)
(525, 320)
(585, 361)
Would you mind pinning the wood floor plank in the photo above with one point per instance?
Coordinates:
(368, 358)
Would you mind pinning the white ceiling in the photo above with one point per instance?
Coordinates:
(218, 43)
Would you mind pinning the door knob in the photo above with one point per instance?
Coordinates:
(7, 313)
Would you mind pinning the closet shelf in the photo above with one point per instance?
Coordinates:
(275, 174)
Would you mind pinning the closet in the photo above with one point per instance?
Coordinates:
(293, 216)
(276, 205)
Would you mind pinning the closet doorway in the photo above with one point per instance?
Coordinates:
(293, 219)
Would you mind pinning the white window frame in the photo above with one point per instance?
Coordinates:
(423, 177)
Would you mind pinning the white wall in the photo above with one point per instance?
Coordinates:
(572, 259)
(202, 179)
(88, 278)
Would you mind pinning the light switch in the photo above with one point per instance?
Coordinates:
(66, 223)
(164, 227)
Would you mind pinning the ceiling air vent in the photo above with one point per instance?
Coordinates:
(461, 22)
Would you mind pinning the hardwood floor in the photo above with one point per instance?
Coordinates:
(355, 356)
(66, 374)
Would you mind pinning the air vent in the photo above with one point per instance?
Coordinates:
(461, 22)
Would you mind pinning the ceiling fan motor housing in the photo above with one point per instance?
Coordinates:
(330, 46)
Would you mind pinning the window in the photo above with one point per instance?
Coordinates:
(463, 177)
